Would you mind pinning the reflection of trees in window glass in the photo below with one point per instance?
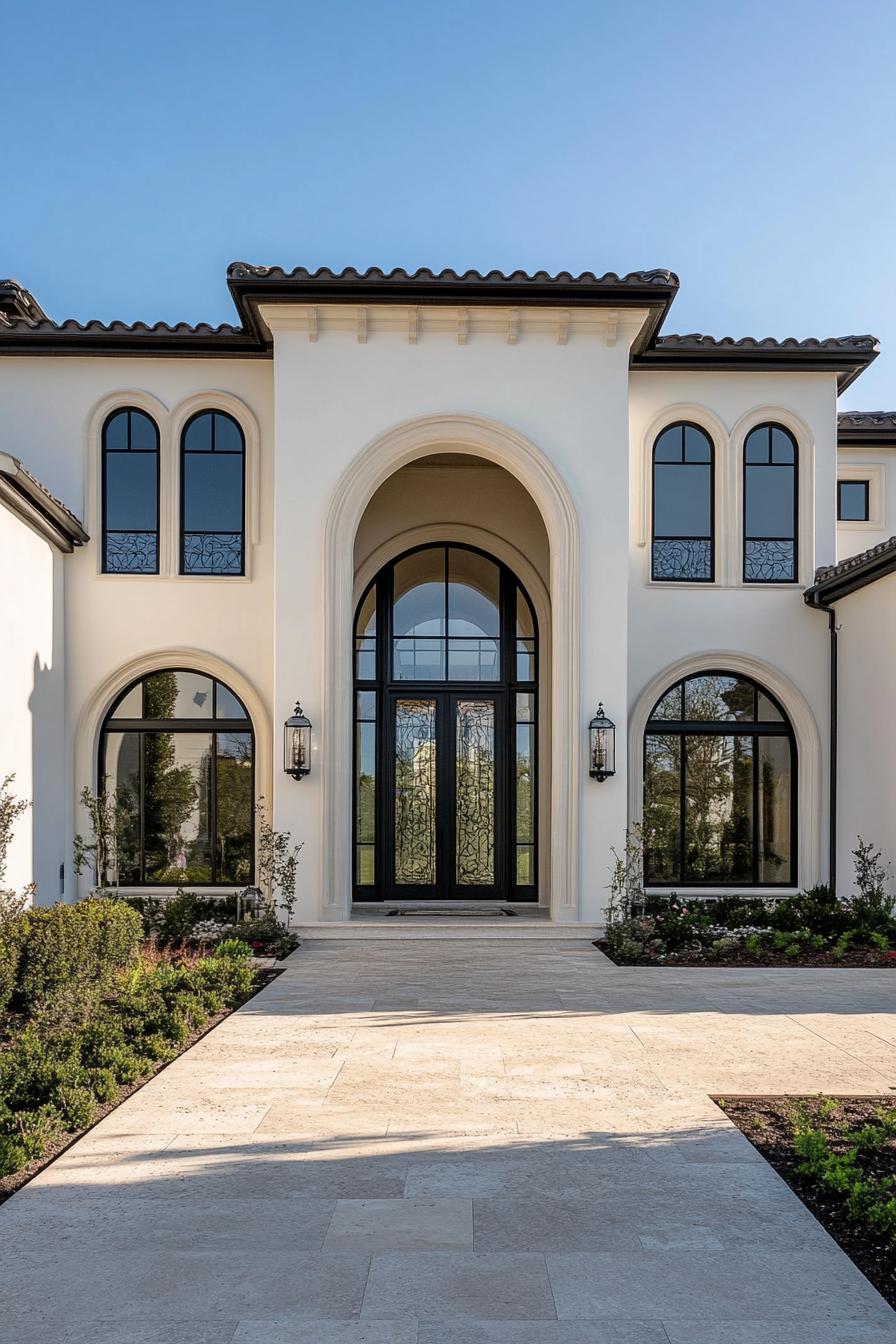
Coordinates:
(185, 795)
(718, 801)
(662, 807)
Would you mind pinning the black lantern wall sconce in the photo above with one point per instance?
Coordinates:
(297, 744)
(602, 745)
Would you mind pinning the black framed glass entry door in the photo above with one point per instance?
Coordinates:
(446, 681)
(447, 812)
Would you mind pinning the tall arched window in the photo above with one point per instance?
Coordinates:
(212, 495)
(130, 493)
(719, 786)
(446, 682)
(683, 488)
(771, 505)
(178, 752)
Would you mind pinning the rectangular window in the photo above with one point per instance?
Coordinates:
(853, 501)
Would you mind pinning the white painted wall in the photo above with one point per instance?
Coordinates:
(475, 495)
(112, 620)
(32, 693)
(670, 622)
(866, 803)
(335, 395)
(316, 406)
(878, 466)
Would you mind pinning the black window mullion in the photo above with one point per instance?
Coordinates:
(757, 826)
(213, 807)
(142, 804)
(682, 830)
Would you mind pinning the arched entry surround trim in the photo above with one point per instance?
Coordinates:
(95, 709)
(375, 463)
(490, 542)
(805, 730)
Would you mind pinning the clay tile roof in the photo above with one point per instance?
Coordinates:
(868, 427)
(349, 277)
(31, 499)
(833, 581)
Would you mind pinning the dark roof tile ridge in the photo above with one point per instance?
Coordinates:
(855, 561)
(241, 270)
(699, 340)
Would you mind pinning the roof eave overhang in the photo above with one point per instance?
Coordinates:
(845, 365)
(830, 590)
(250, 292)
(25, 497)
(144, 345)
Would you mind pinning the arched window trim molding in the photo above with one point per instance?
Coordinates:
(811, 805)
(805, 442)
(97, 706)
(182, 414)
(92, 501)
(373, 464)
(707, 420)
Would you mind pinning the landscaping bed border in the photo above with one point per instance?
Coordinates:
(767, 1122)
(9, 1185)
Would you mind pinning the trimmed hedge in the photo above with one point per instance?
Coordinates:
(74, 947)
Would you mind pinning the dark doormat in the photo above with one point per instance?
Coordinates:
(465, 911)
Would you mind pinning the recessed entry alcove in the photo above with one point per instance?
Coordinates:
(451, 681)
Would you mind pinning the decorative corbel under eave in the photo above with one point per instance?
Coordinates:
(463, 326)
(362, 326)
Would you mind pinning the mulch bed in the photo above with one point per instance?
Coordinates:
(10, 1184)
(767, 1123)
(871, 960)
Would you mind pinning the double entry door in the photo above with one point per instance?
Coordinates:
(447, 796)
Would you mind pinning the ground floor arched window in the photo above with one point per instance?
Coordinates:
(720, 766)
(178, 751)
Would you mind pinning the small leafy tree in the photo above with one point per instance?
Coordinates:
(871, 908)
(99, 849)
(627, 877)
(278, 860)
(11, 808)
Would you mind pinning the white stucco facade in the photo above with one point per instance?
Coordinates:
(542, 423)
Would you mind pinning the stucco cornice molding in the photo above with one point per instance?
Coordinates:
(808, 742)
(361, 322)
(380, 459)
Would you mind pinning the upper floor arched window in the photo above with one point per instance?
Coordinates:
(771, 505)
(177, 753)
(212, 495)
(683, 544)
(130, 493)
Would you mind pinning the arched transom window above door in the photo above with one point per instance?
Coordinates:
(178, 752)
(446, 672)
(719, 804)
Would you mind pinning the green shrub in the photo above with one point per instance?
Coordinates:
(234, 948)
(56, 1071)
(12, 936)
(75, 949)
(816, 909)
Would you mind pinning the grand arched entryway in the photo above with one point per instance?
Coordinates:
(446, 673)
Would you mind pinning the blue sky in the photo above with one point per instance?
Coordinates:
(746, 144)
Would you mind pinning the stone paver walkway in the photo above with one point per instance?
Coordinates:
(460, 1143)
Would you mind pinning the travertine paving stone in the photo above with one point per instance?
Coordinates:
(461, 1142)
